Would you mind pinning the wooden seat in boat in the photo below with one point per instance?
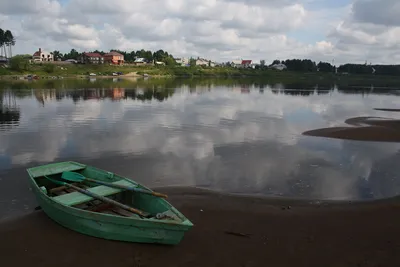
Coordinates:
(75, 198)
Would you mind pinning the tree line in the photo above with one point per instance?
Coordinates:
(149, 56)
(7, 41)
(307, 65)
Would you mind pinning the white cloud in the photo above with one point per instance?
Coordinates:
(369, 32)
(216, 29)
(24, 7)
(377, 12)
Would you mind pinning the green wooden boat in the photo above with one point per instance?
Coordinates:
(91, 216)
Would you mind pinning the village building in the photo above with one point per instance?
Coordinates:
(42, 56)
(184, 62)
(114, 58)
(279, 66)
(91, 58)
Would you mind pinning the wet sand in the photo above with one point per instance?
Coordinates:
(376, 129)
(388, 109)
(277, 232)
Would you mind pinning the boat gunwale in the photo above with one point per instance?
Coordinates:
(185, 222)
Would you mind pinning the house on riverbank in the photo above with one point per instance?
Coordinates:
(140, 61)
(42, 56)
(205, 62)
(91, 58)
(114, 58)
(279, 66)
(184, 62)
(240, 63)
(202, 62)
(246, 63)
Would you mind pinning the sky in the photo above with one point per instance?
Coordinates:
(338, 31)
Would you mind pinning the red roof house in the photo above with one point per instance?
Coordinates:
(246, 63)
(90, 54)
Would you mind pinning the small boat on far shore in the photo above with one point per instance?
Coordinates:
(105, 205)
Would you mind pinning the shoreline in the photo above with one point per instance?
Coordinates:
(177, 193)
(278, 232)
(82, 72)
(355, 82)
(21, 77)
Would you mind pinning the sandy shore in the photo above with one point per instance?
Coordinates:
(278, 232)
(388, 109)
(363, 129)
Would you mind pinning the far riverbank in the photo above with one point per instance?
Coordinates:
(75, 71)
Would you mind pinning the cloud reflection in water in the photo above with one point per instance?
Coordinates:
(222, 138)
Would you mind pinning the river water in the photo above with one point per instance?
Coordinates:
(237, 137)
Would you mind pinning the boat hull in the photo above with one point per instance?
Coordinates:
(111, 227)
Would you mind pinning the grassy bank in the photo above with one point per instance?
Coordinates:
(67, 70)
(225, 74)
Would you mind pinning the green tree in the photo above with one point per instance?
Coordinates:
(57, 55)
(169, 61)
(9, 42)
(131, 56)
(369, 69)
(140, 53)
(276, 62)
(160, 55)
(1, 41)
(305, 65)
(19, 63)
(325, 67)
(73, 54)
(147, 55)
(99, 52)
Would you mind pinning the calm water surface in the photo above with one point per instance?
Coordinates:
(240, 138)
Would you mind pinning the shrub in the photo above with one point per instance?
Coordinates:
(49, 68)
(19, 63)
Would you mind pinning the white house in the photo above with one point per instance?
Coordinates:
(202, 62)
(213, 64)
(279, 66)
(237, 63)
(182, 61)
(40, 56)
(140, 60)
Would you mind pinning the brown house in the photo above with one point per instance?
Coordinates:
(91, 58)
(114, 58)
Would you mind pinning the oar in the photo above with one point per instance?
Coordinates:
(77, 177)
(104, 199)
